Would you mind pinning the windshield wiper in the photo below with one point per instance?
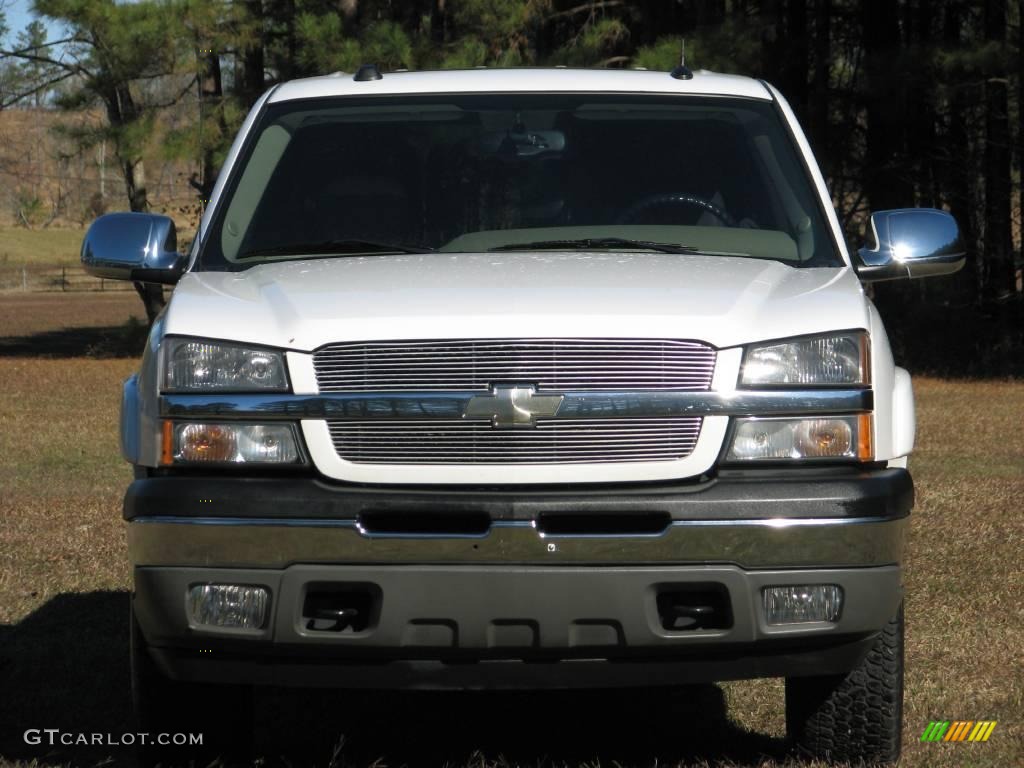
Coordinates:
(601, 243)
(333, 248)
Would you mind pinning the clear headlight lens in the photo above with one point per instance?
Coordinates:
(832, 437)
(192, 365)
(227, 443)
(838, 358)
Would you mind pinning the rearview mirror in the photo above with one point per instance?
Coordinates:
(133, 246)
(910, 242)
(519, 144)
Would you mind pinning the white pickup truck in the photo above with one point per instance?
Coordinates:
(569, 374)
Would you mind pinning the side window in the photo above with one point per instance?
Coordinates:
(265, 159)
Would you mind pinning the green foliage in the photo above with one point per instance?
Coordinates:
(468, 52)
(33, 73)
(121, 41)
(595, 44)
(732, 46)
(664, 54)
(28, 209)
(496, 20)
(322, 45)
(387, 44)
(325, 47)
(120, 47)
(495, 32)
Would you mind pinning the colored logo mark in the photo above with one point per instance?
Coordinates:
(958, 730)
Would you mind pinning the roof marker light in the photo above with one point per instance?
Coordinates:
(367, 72)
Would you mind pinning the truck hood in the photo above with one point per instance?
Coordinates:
(725, 301)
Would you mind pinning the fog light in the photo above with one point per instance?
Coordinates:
(228, 605)
(802, 603)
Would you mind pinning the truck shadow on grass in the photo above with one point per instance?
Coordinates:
(105, 342)
(65, 666)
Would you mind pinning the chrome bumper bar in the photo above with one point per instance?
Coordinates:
(574, 405)
(280, 542)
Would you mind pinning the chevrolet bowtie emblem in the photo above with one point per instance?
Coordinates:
(512, 406)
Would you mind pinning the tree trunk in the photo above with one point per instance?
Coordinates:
(887, 182)
(998, 265)
(710, 13)
(885, 177)
(439, 23)
(818, 107)
(122, 111)
(794, 75)
(1020, 130)
(772, 41)
(135, 180)
(251, 82)
(958, 165)
(921, 142)
(134, 172)
(210, 104)
(292, 42)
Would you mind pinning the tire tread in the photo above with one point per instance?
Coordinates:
(857, 717)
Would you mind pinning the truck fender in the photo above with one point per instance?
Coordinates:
(904, 420)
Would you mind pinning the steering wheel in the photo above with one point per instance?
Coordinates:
(673, 198)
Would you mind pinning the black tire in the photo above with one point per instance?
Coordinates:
(221, 713)
(856, 717)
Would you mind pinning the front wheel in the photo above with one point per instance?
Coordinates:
(166, 709)
(856, 717)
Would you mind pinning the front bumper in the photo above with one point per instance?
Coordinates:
(514, 605)
(753, 519)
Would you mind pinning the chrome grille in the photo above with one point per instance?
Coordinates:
(549, 364)
(563, 441)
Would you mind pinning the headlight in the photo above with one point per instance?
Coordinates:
(192, 365)
(827, 437)
(835, 358)
(228, 443)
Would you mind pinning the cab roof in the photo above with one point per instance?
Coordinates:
(523, 80)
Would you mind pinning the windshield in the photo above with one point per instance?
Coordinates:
(470, 173)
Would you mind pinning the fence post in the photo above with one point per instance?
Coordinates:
(64, 278)
(24, 279)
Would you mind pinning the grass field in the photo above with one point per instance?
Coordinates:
(46, 260)
(64, 581)
(43, 246)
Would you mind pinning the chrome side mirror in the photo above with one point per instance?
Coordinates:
(910, 242)
(133, 246)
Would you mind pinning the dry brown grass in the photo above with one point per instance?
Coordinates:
(63, 582)
(39, 246)
(27, 314)
(75, 325)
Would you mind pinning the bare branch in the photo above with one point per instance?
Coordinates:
(586, 7)
(188, 86)
(41, 87)
(50, 44)
(76, 68)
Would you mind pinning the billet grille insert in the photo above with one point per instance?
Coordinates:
(558, 441)
(554, 364)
